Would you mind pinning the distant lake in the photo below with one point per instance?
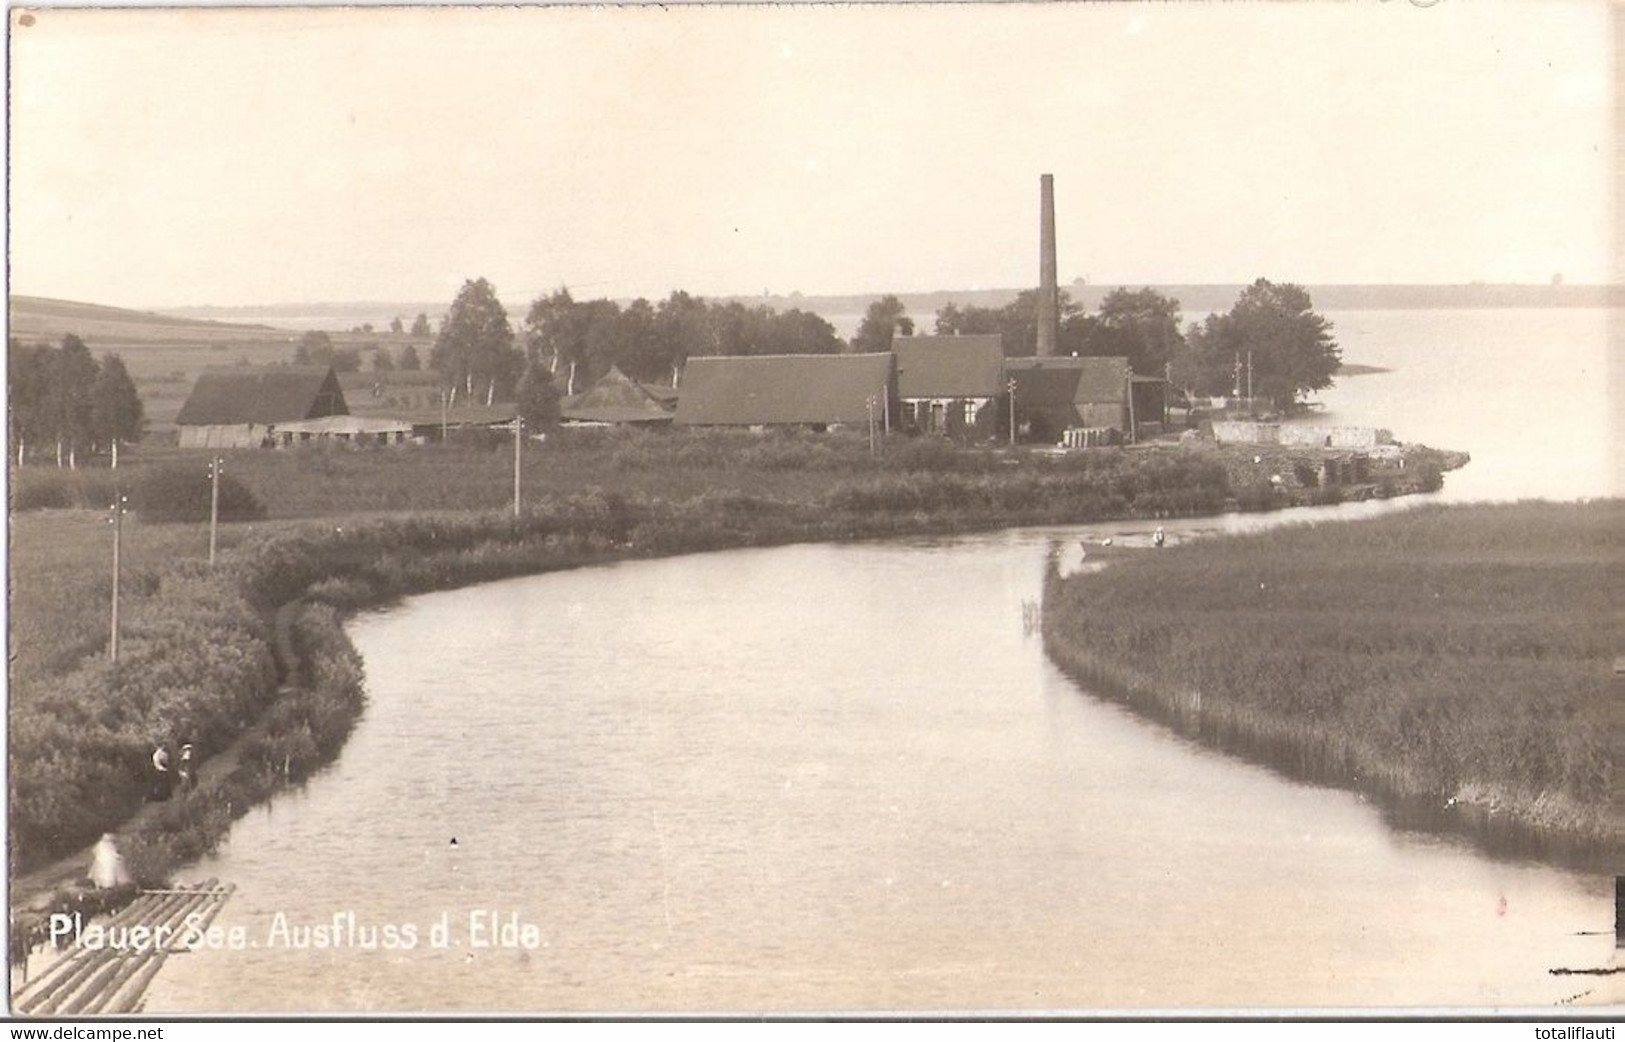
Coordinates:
(1524, 390)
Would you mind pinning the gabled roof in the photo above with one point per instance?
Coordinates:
(662, 393)
(615, 398)
(1066, 380)
(267, 394)
(771, 389)
(949, 366)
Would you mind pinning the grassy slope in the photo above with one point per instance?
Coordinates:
(1448, 653)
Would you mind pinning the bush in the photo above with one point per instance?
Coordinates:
(47, 488)
(182, 493)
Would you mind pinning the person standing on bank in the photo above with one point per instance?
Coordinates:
(107, 869)
(163, 780)
(185, 769)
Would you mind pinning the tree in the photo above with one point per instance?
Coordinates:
(538, 398)
(683, 324)
(116, 414)
(396, 326)
(797, 332)
(553, 335)
(1196, 367)
(409, 359)
(72, 376)
(382, 360)
(316, 348)
(641, 353)
(475, 349)
(885, 319)
(28, 381)
(1017, 323)
(1291, 347)
(1141, 325)
(420, 327)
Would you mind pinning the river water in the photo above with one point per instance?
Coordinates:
(846, 777)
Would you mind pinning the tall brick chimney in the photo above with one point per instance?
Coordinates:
(1049, 319)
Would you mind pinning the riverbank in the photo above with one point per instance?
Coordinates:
(1452, 663)
(198, 665)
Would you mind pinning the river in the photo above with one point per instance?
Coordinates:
(846, 777)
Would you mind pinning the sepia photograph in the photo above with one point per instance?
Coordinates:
(966, 510)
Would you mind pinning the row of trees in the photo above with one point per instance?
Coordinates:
(61, 398)
(481, 356)
(1290, 347)
(576, 342)
(651, 342)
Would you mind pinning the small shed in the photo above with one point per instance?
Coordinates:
(788, 390)
(236, 407)
(616, 399)
(353, 430)
(950, 384)
(1053, 394)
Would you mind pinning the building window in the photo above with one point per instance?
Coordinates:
(970, 413)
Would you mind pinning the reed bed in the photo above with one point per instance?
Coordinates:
(1456, 659)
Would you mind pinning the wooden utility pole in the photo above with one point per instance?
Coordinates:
(117, 520)
(1011, 387)
(214, 505)
(1128, 385)
(518, 449)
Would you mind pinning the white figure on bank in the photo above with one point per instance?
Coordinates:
(107, 864)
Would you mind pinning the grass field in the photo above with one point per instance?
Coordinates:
(1457, 658)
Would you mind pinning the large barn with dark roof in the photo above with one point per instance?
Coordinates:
(237, 408)
(788, 390)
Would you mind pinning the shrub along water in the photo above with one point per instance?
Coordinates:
(1453, 660)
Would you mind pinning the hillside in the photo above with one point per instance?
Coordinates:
(46, 318)
(164, 353)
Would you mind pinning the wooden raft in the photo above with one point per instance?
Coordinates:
(113, 980)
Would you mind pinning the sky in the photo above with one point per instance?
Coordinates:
(235, 157)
